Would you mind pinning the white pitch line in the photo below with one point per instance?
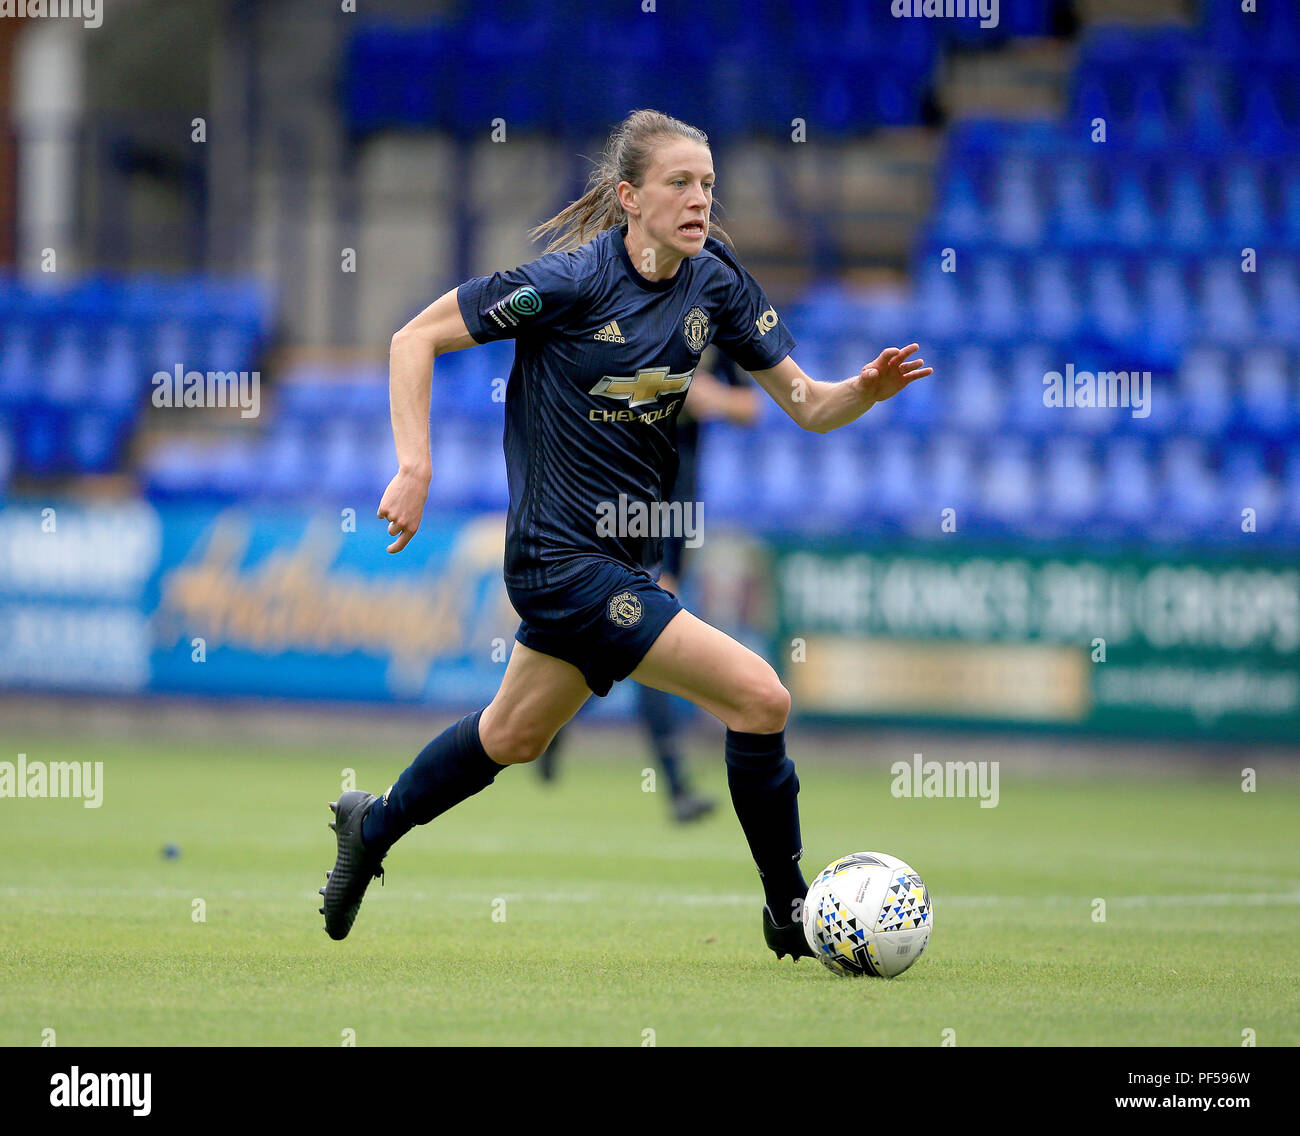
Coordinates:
(1218, 899)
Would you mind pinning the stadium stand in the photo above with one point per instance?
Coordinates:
(1053, 236)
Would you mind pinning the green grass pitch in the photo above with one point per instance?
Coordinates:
(577, 914)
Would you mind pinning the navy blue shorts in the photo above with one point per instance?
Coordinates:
(603, 620)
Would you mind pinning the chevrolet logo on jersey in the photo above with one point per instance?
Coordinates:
(648, 384)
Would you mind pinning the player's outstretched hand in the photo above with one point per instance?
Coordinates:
(403, 506)
(890, 372)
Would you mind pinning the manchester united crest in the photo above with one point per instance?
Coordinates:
(625, 609)
(696, 329)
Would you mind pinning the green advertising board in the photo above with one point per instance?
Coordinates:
(1114, 643)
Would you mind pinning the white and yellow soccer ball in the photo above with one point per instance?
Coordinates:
(869, 913)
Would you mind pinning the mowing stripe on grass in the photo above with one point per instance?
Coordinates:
(1218, 899)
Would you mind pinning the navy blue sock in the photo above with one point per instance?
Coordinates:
(657, 714)
(450, 768)
(765, 793)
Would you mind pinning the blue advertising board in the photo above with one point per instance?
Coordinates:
(130, 597)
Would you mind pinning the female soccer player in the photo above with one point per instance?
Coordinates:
(609, 326)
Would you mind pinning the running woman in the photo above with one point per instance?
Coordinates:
(717, 393)
(609, 325)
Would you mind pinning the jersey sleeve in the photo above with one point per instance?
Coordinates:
(749, 329)
(531, 298)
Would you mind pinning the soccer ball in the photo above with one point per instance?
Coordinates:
(868, 913)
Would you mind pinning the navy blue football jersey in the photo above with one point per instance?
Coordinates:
(603, 360)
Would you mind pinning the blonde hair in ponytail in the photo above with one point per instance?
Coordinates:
(626, 158)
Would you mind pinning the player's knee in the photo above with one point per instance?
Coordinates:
(765, 704)
(513, 743)
(516, 750)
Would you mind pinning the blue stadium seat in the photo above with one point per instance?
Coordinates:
(996, 296)
(1127, 483)
(1055, 303)
(1245, 215)
(1247, 483)
(897, 493)
(1077, 217)
(1226, 311)
(1026, 411)
(286, 458)
(41, 441)
(1289, 510)
(1188, 225)
(1009, 485)
(1280, 298)
(723, 474)
(1017, 214)
(1204, 126)
(939, 302)
(1268, 398)
(1152, 126)
(1271, 30)
(950, 463)
(120, 383)
(68, 375)
(19, 376)
(1131, 215)
(1111, 301)
(95, 440)
(1166, 302)
(1205, 392)
(1071, 482)
(783, 488)
(841, 488)
(1191, 493)
(974, 403)
(963, 215)
(1263, 127)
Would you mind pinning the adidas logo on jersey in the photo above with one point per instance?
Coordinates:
(610, 333)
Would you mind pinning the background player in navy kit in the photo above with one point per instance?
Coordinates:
(608, 332)
(717, 392)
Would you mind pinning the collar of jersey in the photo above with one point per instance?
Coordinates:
(640, 281)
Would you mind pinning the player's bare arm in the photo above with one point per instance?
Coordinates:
(822, 407)
(436, 330)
